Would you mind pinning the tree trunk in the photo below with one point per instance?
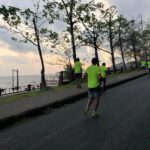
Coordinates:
(73, 42)
(111, 45)
(112, 50)
(121, 49)
(72, 31)
(112, 56)
(134, 53)
(95, 48)
(43, 82)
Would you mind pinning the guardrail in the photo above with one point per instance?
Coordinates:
(63, 78)
(21, 89)
(66, 77)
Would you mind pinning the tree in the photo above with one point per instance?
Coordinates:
(145, 29)
(91, 16)
(134, 41)
(67, 9)
(122, 24)
(62, 51)
(30, 27)
(111, 31)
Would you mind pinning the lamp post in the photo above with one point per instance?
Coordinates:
(17, 72)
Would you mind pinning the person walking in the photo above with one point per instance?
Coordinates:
(143, 64)
(148, 66)
(92, 74)
(78, 72)
(103, 71)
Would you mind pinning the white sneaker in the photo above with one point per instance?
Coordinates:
(95, 114)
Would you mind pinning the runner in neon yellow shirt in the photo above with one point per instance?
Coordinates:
(148, 66)
(143, 64)
(78, 72)
(93, 75)
(103, 71)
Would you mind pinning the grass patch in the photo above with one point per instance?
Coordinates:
(10, 99)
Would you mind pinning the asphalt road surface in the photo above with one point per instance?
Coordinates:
(123, 125)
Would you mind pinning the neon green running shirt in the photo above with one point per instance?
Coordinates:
(93, 73)
(148, 64)
(103, 70)
(143, 63)
(77, 67)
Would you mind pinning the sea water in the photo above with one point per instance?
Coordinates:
(7, 81)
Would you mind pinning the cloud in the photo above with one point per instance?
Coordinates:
(25, 56)
(5, 37)
(17, 3)
(132, 8)
(27, 62)
(2, 62)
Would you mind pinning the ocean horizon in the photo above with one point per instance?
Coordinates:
(24, 80)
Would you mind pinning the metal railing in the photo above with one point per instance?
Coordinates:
(60, 79)
(17, 90)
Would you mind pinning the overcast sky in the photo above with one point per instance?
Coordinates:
(132, 8)
(25, 57)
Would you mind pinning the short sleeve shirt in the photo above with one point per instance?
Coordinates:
(103, 70)
(143, 63)
(148, 64)
(93, 73)
(77, 67)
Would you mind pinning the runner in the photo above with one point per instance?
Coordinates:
(143, 64)
(93, 75)
(103, 71)
(148, 67)
(78, 72)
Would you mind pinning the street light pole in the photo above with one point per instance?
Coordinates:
(12, 78)
(17, 79)
(15, 70)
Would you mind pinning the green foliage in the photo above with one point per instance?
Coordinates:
(10, 15)
(91, 16)
(50, 11)
(14, 39)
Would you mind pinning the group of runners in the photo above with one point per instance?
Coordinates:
(96, 76)
(96, 79)
(146, 65)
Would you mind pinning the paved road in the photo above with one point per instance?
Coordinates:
(124, 124)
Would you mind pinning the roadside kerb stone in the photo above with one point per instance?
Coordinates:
(6, 121)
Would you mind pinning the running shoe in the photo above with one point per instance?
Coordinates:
(86, 112)
(95, 114)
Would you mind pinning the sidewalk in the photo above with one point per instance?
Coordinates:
(12, 112)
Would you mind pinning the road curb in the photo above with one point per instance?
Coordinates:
(5, 122)
(125, 80)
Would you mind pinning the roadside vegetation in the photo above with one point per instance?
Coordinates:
(83, 24)
(10, 99)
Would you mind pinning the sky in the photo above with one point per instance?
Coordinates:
(25, 58)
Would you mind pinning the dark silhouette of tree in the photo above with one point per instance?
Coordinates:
(122, 25)
(67, 9)
(30, 27)
(91, 16)
(133, 41)
(111, 31)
